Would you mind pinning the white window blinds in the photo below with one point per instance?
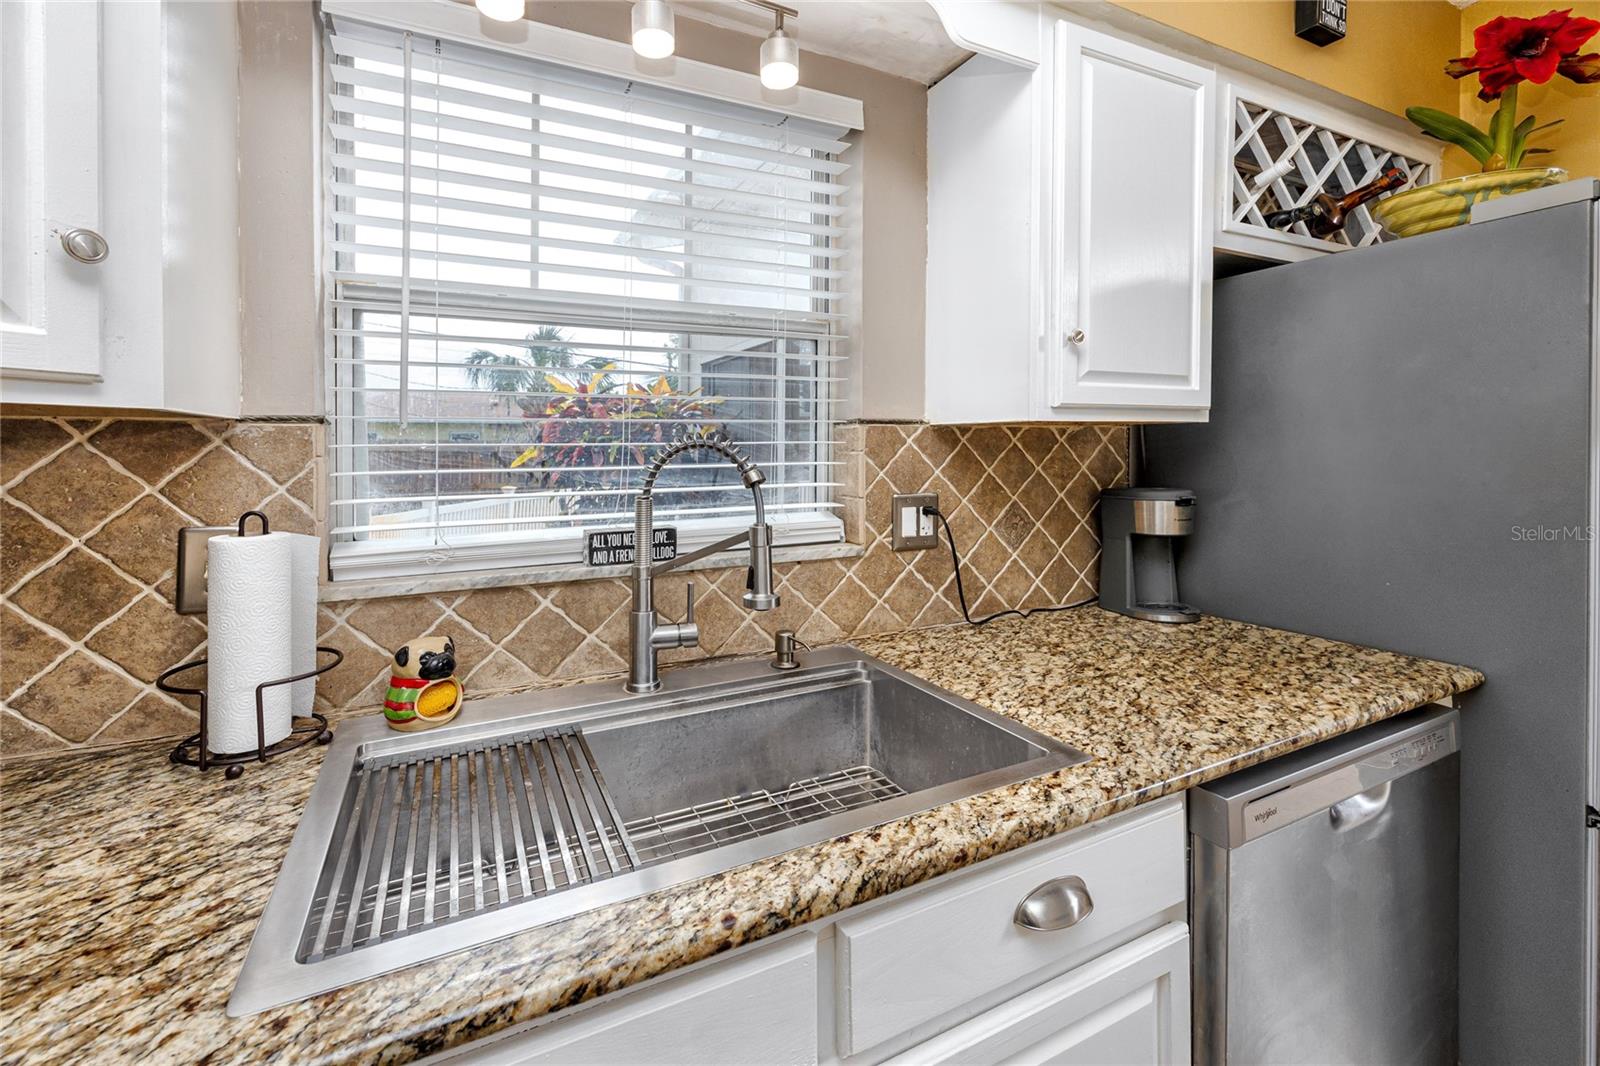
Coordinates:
(537, 277)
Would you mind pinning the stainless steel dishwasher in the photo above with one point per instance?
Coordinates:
(1324, 901)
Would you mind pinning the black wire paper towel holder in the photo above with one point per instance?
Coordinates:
(303, 729)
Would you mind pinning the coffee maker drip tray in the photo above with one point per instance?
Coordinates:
(1138, 568)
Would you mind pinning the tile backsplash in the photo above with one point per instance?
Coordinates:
(90, 508)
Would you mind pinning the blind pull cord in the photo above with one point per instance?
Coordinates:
(405, 234)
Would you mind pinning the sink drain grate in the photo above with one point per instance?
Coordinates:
(425, 839)
(710, 825)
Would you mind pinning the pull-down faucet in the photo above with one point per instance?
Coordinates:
(647, 635)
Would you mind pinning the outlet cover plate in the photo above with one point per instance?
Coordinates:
(910, 529)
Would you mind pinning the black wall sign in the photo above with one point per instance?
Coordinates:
(613, 546)
(1320, 21)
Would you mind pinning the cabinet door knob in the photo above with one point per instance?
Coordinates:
(84, 245)
(1059, 903)
(1075, 337)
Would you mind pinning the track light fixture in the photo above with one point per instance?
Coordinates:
(652, 29)
(502, 10)
(780, 58)
(654, 37)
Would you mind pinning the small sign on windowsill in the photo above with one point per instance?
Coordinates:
(612, 547)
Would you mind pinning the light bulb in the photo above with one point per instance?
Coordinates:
(502, 10)
(652, 29)
(780, 60)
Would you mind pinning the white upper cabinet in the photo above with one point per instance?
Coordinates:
(1070, 224)
(1131, 253)
(120, 137)
(49, 189)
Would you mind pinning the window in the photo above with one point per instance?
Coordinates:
(538, 276)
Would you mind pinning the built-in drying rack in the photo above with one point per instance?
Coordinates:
(427, 838)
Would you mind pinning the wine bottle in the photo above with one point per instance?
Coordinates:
(1324, 215)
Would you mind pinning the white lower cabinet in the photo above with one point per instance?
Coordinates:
(1130, 1006)
(759, 1006)
(940, 972)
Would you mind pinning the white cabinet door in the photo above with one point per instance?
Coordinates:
(49, 184)
(754, 1010)
(1133, 179)
(1130, 1006)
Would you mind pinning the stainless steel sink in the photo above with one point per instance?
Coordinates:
(537, 807)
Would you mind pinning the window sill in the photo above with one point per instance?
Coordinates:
(378, 588)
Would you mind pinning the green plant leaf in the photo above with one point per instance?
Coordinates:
(1496, 121)
(1447, 127)
(1519, 140)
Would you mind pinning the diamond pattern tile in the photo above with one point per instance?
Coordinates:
(150, 450)
(86, 490)
(76, 698)
(1021, 502)
(141, 540)
(25, 543)
(25, 650)
(148, 638)
(218, 488)
(25, 441)
(75, 594)
(76, 490)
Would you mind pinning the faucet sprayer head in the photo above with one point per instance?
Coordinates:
(758, 594)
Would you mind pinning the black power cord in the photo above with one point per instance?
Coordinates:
(961, 593)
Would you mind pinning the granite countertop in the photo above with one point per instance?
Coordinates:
(129, 887)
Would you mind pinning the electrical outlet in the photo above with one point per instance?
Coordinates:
(910, 529)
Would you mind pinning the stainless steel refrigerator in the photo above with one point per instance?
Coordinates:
(1404, 452)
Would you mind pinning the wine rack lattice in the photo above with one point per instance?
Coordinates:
(1280, 161)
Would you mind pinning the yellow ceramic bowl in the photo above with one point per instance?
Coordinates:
(1449, 203)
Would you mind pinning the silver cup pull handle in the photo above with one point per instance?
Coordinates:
(1361, 808)
(84, 245)
(1059, 903)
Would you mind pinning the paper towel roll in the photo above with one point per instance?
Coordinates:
(305, 555)
(249, 607)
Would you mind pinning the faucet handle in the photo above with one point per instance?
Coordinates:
(688, 610)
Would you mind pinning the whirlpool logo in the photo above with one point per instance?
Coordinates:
(1262, 817)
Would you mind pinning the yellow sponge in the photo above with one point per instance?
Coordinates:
(438, 699)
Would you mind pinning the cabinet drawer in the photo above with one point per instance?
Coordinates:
(758, 1009)
(907, 964)
(1130, 1005)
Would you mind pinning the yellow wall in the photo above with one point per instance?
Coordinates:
(1576, 142)
(1392, 57)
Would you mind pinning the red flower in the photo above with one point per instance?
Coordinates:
(1512, 50)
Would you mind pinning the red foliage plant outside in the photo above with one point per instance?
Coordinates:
(589, 425)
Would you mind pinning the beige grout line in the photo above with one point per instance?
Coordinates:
(23, 475)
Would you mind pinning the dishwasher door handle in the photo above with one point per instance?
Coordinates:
(1059, 903)
(1361, 808)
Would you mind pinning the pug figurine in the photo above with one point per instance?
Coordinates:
(423, 690)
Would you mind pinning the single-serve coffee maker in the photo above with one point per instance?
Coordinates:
(1138, 575)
